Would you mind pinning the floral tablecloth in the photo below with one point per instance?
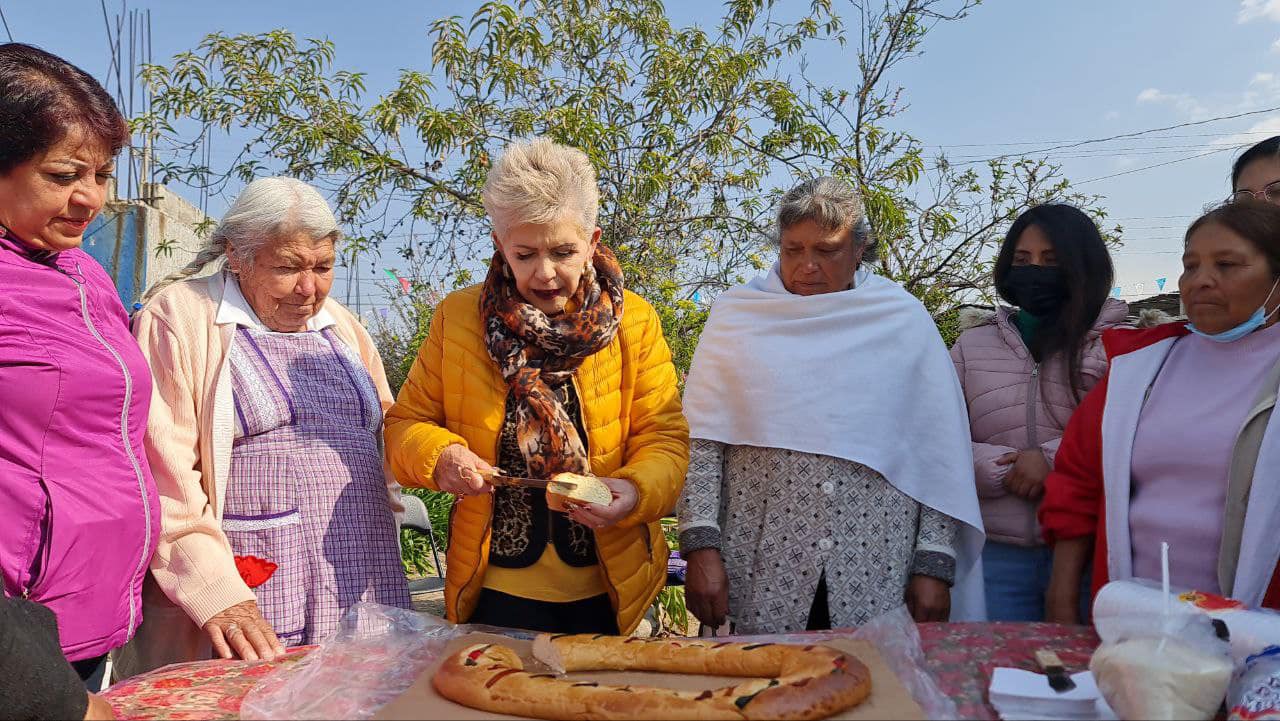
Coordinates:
(199, 690)
(959, 655)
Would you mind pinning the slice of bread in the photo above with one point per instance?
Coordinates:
(546, 652)
(588, 489)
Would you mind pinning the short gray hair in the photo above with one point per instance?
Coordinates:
(541, 181)
(832, 204)
(266, 209)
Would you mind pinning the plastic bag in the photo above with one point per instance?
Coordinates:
(1255, 691)
(378, 652)
(1158, 666)
(895, 635)
(375, 655)
(1252, 629)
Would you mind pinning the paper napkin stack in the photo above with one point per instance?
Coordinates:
(1018, 694)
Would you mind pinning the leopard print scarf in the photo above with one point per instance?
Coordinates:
(534, 352)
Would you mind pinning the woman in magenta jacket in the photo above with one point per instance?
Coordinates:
(1024, 371)
(80, 508)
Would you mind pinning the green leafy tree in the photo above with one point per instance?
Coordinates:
(695, 132)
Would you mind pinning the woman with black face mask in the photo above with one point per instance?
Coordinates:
(1024, 370)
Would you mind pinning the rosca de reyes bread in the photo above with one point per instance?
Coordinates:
(585, 489)
(785, 681)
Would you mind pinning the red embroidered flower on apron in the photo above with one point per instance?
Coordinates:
(254, 571)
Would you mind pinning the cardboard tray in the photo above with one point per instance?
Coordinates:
(888, 699)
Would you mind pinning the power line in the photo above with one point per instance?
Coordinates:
(1137, 148)
(1090, 154)
(1151, 217)
(1157, 165)
(1043, 142)
(1158, 130)
(1137, 133)
(6, 24)
(1106, 152)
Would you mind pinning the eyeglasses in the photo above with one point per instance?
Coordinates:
(1270, 194)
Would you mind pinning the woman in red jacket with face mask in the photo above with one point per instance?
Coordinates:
(1177, 444)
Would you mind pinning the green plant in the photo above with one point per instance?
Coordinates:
(669, 607)
(682, 322)
(415, 549)
(165, 248)
(672, 615)
(399, 333)
(948, 325)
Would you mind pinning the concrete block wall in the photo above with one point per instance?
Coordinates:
(140, 242)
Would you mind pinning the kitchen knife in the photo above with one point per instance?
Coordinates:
(1059, 679)
(497, 479)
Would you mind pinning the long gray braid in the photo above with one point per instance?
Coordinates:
(214, 251)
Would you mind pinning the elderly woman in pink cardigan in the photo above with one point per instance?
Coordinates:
(1024, 370)
(265, 436)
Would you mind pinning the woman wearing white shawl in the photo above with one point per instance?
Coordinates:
(831, 475)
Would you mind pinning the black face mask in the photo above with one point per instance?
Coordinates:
(1038, 289)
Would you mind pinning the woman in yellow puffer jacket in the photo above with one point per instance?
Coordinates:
(538, 371)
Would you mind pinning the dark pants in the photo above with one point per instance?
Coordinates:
(819, 613)
(590, 615)
(1016, 580)
(91, 671)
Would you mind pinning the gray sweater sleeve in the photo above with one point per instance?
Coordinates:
(936, 540)
(36, 682)
(699, 507)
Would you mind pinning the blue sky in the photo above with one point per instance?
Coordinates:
(1014, 75)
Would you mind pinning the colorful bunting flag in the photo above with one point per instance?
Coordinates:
(404, 282)
(1160, 283)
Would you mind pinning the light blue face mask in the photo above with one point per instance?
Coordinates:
(1255, 321)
